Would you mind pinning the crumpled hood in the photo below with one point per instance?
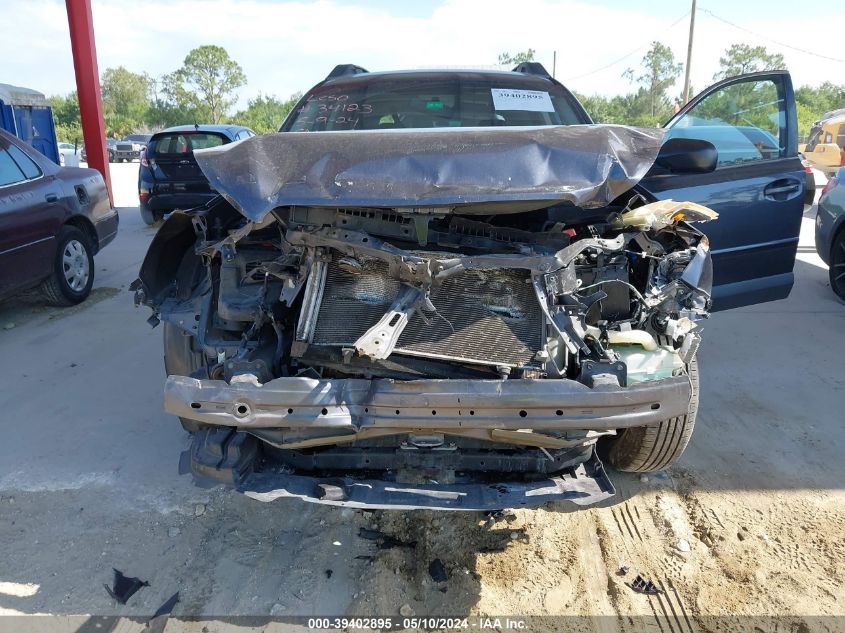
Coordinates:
(480, 170)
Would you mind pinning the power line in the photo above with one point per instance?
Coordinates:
(794, 48)
(633, 52)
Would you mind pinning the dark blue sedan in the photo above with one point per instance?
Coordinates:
(830, 231)
(169, 177)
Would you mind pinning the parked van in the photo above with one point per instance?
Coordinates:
(825, 149)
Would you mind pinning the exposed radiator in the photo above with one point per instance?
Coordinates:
(489, 317)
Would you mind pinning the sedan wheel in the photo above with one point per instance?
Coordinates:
(73, 269)
(75, 265)
(837, 265)
(150, 217)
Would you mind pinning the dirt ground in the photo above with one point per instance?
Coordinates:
(746, 532)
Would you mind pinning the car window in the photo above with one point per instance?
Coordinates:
(179, 143)
(388, 102)
(744, 120)
(10, 173)
(27, 165)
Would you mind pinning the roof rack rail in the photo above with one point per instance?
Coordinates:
(532, 68)
(832, 114)
(346, 69)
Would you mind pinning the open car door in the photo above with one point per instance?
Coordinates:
(757, 187)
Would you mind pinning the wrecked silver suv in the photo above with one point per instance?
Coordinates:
(441, 318)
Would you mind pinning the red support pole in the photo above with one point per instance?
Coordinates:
(88, 86)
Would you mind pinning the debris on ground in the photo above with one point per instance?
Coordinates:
(499, 515)
(437, 571)
(623, 570)
(641, 585)
(384, 541)
(406, 611)
(682, 545)
(124, 587)
(329, 573)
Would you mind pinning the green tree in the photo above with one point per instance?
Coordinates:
(742, 58)
(806, 117)
(66, 118)
(506, 59)
(659, 72)
(827, 97)
(206, 82)
(174, 105)
(264, 114)
(126, 100)
(597, 106)
(813, 102)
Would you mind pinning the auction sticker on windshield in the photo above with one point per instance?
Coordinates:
(528, 100)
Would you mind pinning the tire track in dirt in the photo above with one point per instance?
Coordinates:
(633, 537)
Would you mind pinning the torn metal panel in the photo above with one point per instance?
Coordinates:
(471, 171)
(585, 485)
(414, 268)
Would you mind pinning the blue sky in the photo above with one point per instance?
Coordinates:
(288, 46)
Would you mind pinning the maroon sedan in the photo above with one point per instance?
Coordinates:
(53, 220)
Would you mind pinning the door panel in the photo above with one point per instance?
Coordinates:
(29, 217)
(757, 189)
(27, 233)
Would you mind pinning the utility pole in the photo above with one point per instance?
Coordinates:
(689, 51)
(554, 63)
(84, 51)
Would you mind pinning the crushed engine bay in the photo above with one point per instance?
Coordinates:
(434, 342)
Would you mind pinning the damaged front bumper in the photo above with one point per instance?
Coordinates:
(354, 404)
(222, 456)
(343, 410)
(584, 485)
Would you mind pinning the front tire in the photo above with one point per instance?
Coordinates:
(837, 265)
(647, 448)
(73, 269)
(150, 217)
(180, 359)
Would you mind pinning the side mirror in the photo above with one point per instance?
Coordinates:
(688, 156)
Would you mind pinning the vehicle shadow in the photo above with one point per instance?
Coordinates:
(771, 393)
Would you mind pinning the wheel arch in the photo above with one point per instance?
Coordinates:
(172, 240)
(836, 232)
(87, 227)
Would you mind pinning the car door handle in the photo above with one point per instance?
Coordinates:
(781, 188)
(51, 197)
